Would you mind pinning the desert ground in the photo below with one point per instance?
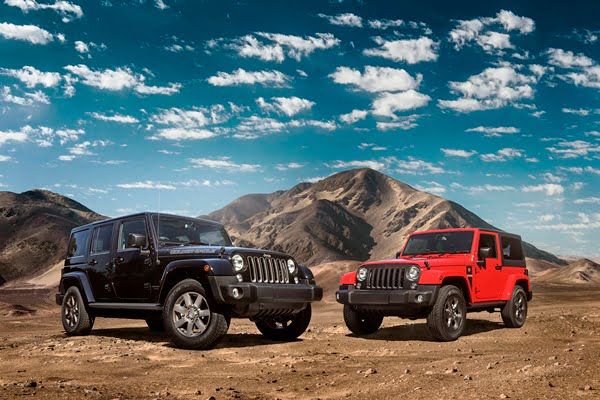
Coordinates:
(556, 355)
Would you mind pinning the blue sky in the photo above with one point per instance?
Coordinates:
(494, 106)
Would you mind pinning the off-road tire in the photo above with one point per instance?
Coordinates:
(155, 323)
(359, 323)
(285, 329)
(215, 329)
(442, 322)
(514, 313)
(75, 317)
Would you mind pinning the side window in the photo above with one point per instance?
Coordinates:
(512, 249)
(136, 226)
(489, 241)
(78, 243)
(101, 239)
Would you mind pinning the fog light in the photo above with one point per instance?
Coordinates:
(296, 280)
(236, 293)
(413, 285)
(419, 298)
(240, 278)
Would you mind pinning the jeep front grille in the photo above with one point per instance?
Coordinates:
(385, 277)
(268, 270)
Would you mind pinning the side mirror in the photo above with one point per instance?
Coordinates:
(135, 240)
(398, 254)
(485, 252)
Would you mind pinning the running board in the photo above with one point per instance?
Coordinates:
(485, 305)
(127, 306)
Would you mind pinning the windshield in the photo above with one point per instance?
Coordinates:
(439, 243)
(173, 231)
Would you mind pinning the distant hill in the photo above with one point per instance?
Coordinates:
(358, 214)
(34, 230)
(583, 271)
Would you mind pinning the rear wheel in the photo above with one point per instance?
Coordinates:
(514, 313)
(359, 323)
(190, 319)
(286, 328)
(75, 318)
(446, 320)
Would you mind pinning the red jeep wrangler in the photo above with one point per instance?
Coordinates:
(440, 275)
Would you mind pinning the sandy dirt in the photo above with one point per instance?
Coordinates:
(555, 356)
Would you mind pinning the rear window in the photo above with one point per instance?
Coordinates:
(102, 239)
(78, 243)
(512, 249)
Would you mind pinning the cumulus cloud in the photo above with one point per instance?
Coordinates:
(574, 149)
(550, 189)
(493, 88)
(568, 59)
(482, 188)
(276, 46)
(346, 19)
(502, 155)
(387, 104)
(243, 77)
(496, 131)
(122, 119)
(411, 51)
(377, 165)
(403, 123)
(33, 77)
(354, 116)
(223, 164)
(289, 106)
(179, 134)
(147, 185)
(25, 99)
(384, 24)
(27, 33)
(67, 10)
(414, 166)
(458, 153)
(376, 79)
(432, 187)
(285, 167)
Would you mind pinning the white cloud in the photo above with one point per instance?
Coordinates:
(289, 106)
(66, 9)
(503, 155)
(574, 149)
(32, 77)
(586, 77)
(376, 79)
(413, 166)
(432, 187)
(549, 177)
(458, 153)
(384, 24)
(582, 112)
(13, 136)
(512, 22)
(551, 189)
(568, 59)
(404, 122)
(83, 149)
(160, 4)
(147, 185)
(178, 134)
(285, 167)
(5, 158)
(494, 131)
(587, 200)
(411, 51)
(27, 99)
(377, 165)
(387, 104)
(223, 164)
(547, 217)
(243, 77)
(81, 47)
(482, 188)
(27, 33)
(194, 117)
(354, 116)
(122, 119)
(278, 46)
(491, 89)
(371, 146)
(346, 19)
(169, 90)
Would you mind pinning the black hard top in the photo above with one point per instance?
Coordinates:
(141, 214)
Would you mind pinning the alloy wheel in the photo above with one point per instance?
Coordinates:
(191, 314)
(452, 313)
(71, 311)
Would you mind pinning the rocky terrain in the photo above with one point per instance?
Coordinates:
(583, 271)
(34, 231)
(554, 356)
(353, 215)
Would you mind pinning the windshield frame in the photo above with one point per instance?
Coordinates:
(432, 252)
(155, 218)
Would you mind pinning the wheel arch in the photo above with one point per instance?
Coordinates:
(81, 281)
(460, 283)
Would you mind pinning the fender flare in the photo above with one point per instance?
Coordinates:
(510, 285)
(81, 281)
(218, 267)
(305, 273)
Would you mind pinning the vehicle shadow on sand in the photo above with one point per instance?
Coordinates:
(231, 340)
(420, 332)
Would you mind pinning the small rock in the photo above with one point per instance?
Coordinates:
(503, 396)
(30, 384)
(451, 370)
(588, 388)
(468, 378)
(370, 371)
(407, 371)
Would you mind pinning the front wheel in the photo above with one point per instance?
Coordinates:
(75, 318)
(188, 318)
(514, 312)
(361, 324)
(285, 328)
(447, 318)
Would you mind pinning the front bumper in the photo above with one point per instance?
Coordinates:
(223, 289)
(422, 296)
(59, 298)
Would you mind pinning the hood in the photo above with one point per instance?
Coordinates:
(215, 251)
(433, 261)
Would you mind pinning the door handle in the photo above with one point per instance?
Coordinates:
(498, 267)
(92, 262)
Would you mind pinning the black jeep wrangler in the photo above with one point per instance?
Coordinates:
(182, 275)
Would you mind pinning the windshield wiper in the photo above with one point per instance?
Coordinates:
(195, 243)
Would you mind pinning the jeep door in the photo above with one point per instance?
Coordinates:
(99, 262)
(488, 275)
(132, 265)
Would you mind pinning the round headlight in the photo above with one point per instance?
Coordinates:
(413, 273)
(291, 266)
(238, 262)
(361, 275)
